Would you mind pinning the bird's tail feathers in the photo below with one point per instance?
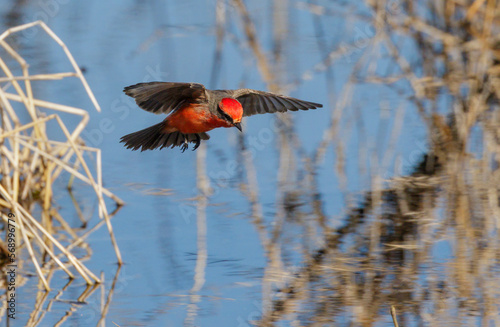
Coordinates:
(153, 137)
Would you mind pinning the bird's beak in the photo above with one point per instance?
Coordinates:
(238, 126)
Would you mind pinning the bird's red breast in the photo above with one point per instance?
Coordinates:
(194, 118)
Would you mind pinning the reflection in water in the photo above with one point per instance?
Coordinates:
(383, 256)
(111, 291)
(43, 304)
(389, 251)
(201, 225)
(372, 217)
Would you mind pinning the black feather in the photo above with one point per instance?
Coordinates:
(153, 137)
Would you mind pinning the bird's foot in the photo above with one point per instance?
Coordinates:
(197, 142)
(184, 145)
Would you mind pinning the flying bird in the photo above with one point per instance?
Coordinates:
(192, 110)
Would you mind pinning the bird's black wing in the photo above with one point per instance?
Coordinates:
(258, 102)
(166, 97)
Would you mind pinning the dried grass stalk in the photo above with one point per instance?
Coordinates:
(31, 162)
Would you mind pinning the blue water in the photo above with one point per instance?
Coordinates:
(120, 43)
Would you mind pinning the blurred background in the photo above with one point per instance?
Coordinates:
(388, 196)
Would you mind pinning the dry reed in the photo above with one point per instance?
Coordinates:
(31, 162)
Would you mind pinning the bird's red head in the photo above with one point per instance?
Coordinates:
(232, 108)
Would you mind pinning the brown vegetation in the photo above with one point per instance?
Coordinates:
(31, 162)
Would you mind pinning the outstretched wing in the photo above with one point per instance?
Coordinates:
(165, 97)
(258, 102)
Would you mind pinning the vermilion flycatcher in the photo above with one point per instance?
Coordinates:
(193, 110)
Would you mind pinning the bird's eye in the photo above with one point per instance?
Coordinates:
(224, 114)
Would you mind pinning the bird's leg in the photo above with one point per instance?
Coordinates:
(184, 145)
(197, 142)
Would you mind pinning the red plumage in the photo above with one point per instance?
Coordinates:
(193, 110)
